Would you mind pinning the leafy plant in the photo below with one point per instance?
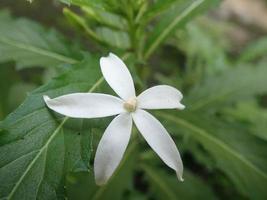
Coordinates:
(221, 134)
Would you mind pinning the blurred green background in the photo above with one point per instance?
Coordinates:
(217, 57)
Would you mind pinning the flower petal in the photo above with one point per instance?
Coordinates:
(112, 147)
(118, 76)
(160, 97)
(86, 105)
(159, 140)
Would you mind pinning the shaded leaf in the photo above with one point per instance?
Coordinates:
(232, 85)
(165, 186)
(175, 17)
(254, 51)
(101, 34)
(237, 153)
(29, 44)
(250, 113)
(106, 18)
(33, 140)
(114, 38)
(82, 186)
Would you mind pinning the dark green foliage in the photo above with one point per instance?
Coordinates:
(39, 144)
(222, 133)
(29, 44)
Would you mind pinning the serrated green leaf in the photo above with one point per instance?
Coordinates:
(237, 153)
(33, 143)
(29, 44)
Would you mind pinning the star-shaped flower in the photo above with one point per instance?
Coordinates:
(128, 108)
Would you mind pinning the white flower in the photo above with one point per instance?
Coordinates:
(129, 108)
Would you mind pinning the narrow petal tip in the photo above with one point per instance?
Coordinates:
(46, 98)
(180, 107)
(111, 54)
(179, 176)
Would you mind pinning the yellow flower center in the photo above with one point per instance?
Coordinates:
(130, 105)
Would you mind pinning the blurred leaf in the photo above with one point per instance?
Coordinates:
(17, 93)
(29, 44)
(237, 153)
(114, 38)
(230, 86)
(251, 113)
(202, 44)
(102, 35)
(33, 142)
(80, 22)
(77, 2)
(106, 18)
(255, 50)
(165, 186)
(102, 4)
(157, 8)
(7, 78)
(174, 17)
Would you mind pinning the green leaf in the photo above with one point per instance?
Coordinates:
(106, 18)
(175, 17)
(29, 44)
(77, 146)
(165, 186)
(250, 113)
(201, 40)
(232, 85)
(8, 77)
(102, 35)
(34, 149)
(17, 93)
(254, 51)
(156, 8)
(98, 3)
(240, 155)
(82, 186)
(113, 38)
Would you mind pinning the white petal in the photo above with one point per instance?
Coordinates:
(118, 76)
(86, 105)
(159, 140)
(160, 97)
(112, 147)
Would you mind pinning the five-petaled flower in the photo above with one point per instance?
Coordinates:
(128, 108)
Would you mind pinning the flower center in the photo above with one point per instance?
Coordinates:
(130, 105)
